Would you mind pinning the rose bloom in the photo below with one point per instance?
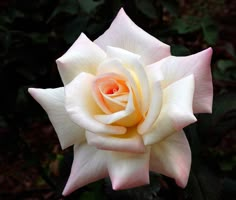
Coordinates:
(124, 105)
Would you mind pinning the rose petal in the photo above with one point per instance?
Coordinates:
(154, 109)
(176, 111)
(172, 157)
(83, 56)
(106, 82)
(129, 142)
(128, 170)
(82, 107)
(125, 34)
(128, 117)
(52, 100)
(175, 68)
(115, 66)
(89, 165)
(131, 62)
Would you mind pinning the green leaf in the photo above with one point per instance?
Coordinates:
(211, 127)
(147, 8)
(179, 50)
(187, 24)
(74, 28)
(229, 191)
(210, 31)
(171, 6)
(69, 7)
(228, 165)
(203, 184)
(224, 65)
(230, 49)
(89, 6)
(226, 70)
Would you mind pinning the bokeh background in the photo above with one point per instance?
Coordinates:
(34, 33)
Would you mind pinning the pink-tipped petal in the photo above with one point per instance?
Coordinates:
(172, 157)
(176, 111)
(125, 34)
(82, 107)
(89, 165)
(175, 68)
(128, 170)
(83, 56)
(128, 142)
(52, 100)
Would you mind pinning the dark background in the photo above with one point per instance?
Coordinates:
(34, 33)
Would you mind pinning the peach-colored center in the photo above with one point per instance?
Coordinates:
(110, 92)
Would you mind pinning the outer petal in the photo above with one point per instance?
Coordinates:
(129, 142)
(83, 56)
(89, 165)
(52, 100)
(175, 68)
(176, 111)
(128, 170)
(82, 107)
(125, 34)
(172, 157)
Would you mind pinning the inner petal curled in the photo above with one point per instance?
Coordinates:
(110, 92)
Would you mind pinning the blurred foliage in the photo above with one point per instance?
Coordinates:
(34, 33)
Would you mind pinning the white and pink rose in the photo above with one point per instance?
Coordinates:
(124, 105)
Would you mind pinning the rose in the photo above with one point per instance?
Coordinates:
(124, 105)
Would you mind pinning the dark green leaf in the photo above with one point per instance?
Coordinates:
(171, 6)
(147, 8)
(212, 127)
(179, 50)
(229, 191)
(224, 65)
(70, 7)
(187, 24)
(226, 70)
(230, 49)
(89, 6)
(74, 28)
(203, 184)
(210, 31)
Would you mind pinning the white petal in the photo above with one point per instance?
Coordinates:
(128, 170)
(83, 56)
(52, 100)
(111, 118)
(115, 66)
(131, 62)
(154, 109)
(89, 165)
(176, 111)
(175, 68)
(82, 107)
(102, 85)
(125, 34)
(129, 142)
(172, 157)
